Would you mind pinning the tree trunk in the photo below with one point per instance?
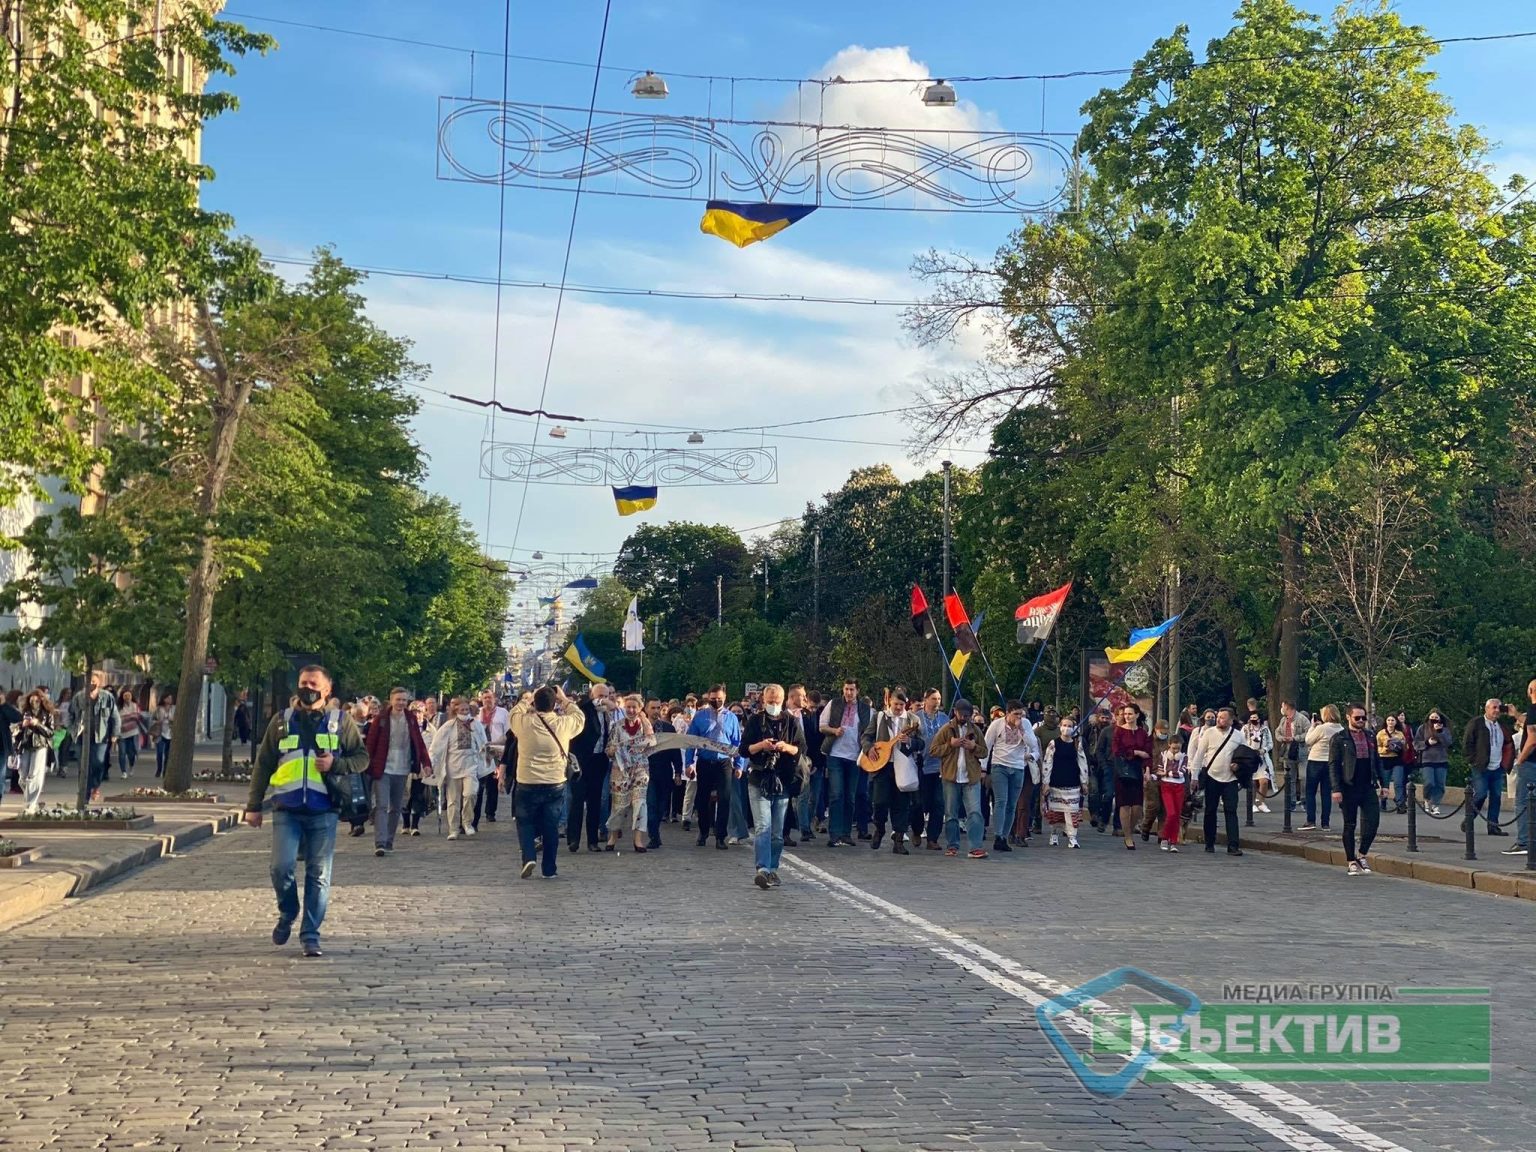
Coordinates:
(1288, 683)
(230, 398)
(228, 750)
(1237, 666)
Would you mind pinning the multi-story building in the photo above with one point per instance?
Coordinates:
(38, 664)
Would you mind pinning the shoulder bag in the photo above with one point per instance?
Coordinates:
(572, 765)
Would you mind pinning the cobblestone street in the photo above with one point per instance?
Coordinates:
(662, 1002)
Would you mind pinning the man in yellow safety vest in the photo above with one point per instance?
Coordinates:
(303, 746)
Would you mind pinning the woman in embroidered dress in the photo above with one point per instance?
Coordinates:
(629, 746)
(1066, 775)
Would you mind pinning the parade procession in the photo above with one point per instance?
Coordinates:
(668, 577)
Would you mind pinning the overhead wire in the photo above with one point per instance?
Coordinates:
(501, 247)
(570, 243)
(953, 78)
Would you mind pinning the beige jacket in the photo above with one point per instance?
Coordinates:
(541, 754)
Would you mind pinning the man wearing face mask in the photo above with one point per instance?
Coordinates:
(301, 747)
(1358, 780)
(715, 770)
(773, 743)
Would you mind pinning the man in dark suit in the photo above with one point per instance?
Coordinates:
(591, 748)
(1358, 782)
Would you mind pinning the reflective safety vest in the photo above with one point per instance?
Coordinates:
(296, 784)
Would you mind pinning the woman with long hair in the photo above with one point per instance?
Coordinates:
(1392, 745)
(164, 719)
(33, 738)
(1131, 747)
(132, 718)
(1319, 738)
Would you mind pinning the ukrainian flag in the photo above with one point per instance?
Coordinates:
(1143, 640)
(635, 498)
(744, 224)
(580, 657)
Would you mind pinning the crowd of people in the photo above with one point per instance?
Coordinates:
(613, 773)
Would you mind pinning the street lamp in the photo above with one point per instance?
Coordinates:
(695, 438)
(939, 95)
(649, 87)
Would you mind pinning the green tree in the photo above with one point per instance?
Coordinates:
(1278, 257)
(677, 570)
(99, 216)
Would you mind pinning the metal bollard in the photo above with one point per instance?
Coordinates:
(1530, 823)
(1470, 825)
(1290, 795)
(1413, 817)
(1248, 807)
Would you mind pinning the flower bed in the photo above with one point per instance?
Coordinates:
(161, 796)
(221, 778)
(13, 855)
(102, 819)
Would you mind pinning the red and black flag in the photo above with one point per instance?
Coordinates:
(922, 619)
(965, 636)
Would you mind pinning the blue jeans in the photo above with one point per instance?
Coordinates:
(312, 834)
(806, 805)
(768, 817)
(975, 829)
(1102, 807)
(565, 802)
(1007, 787)
(1525, 780)
(162, 754)
(538, 818)
(1487, 785)
(842, 783)
(127, 754)
(1317, 784)
(100, 758)
(1434, 782)
(739, 806)
(1400, 774)
(863, 810)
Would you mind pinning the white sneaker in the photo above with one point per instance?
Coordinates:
(1261, 807)
(1162, 845)
(470, 831)
(1072, 843)
(453, 835)
(1055, 840)
(733, 841)
(1365, 865)
(1173, 847)
(1434, 809)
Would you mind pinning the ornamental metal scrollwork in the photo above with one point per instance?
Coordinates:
(691, 158)
(617, 467)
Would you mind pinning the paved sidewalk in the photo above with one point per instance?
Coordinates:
(78, 860)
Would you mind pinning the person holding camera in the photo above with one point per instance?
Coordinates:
(773, 741)
(543, 728)
(1434, 745)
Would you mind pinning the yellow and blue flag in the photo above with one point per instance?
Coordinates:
(743, 224)
(580, 657)
(1142, 641)
(635, 498)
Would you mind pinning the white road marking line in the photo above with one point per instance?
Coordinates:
(1020, 986)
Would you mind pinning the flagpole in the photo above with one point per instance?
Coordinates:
(934, 628)
(1030, 679)
(982, 652)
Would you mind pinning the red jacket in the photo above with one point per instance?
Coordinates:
(377, 743)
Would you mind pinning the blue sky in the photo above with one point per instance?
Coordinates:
(335, 143)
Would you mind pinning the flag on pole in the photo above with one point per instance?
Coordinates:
(1142, 641)
(583, 582)
(634, 631)
(922, 619)
(965, 635)
(1038, 616)
(580, 657)
(960, 659)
